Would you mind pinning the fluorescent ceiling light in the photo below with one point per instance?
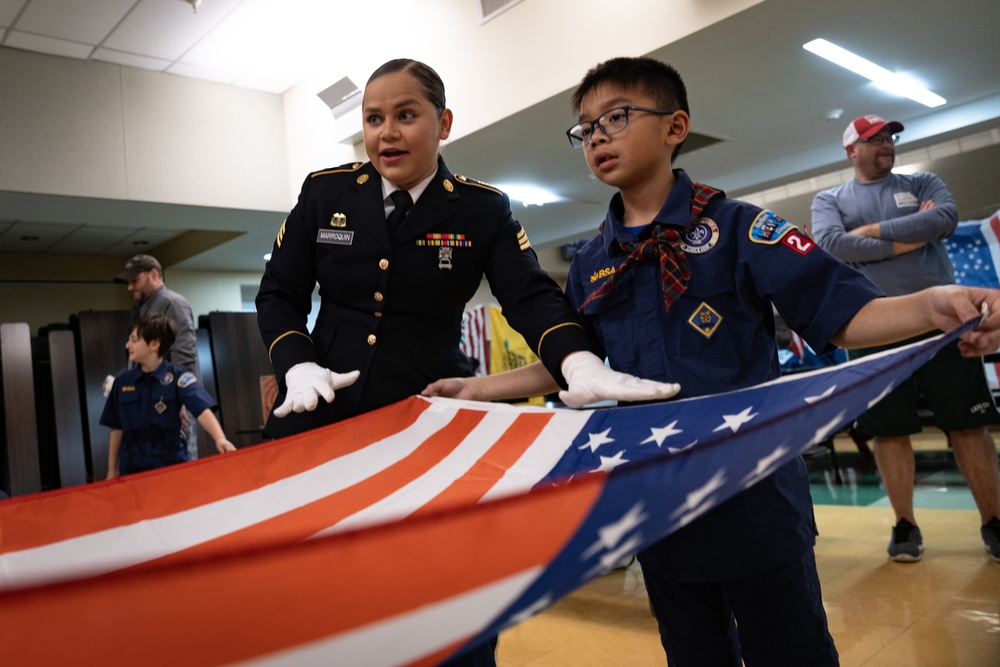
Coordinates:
(529, 195)
(892, 82)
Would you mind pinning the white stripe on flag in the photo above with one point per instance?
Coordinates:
(121, 547)
(426, 630)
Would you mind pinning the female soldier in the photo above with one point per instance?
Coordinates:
(393, 291)
(392, 302)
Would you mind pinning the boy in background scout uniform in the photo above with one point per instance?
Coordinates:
(143, 408)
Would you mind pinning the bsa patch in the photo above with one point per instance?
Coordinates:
(187, 379)
(168, 378)
(705, 320)
(602, 273)
(768, 228)
(800, 243)
(160, 406)
(335, 237)
(700, 238)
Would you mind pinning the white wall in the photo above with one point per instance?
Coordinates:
(532, 51)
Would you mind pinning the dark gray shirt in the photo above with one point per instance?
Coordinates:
(184, 352)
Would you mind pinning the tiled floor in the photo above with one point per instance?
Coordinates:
(943, 611)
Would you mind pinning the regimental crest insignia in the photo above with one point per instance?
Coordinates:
(338, 220)
(444, 257)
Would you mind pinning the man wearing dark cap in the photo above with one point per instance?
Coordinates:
(144, 277)
(890, 227)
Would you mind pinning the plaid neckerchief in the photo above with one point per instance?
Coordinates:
(663, 245)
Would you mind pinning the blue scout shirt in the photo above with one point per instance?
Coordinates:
(720, 336)
(147, 407)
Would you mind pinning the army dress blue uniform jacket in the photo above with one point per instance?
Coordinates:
(146, 407)
(393, 310)
(720, 336)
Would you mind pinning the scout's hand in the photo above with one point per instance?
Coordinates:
(306, 382)
(590, 380)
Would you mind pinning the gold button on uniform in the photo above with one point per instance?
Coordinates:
(383, 264)
(378, 313)
(378, 296)
(371, 339)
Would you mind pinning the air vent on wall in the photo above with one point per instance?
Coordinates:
(493, 8)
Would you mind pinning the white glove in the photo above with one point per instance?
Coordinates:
(306, 382)
(590, 381)
(107, 385)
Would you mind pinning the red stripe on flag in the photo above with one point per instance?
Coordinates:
(308, 520)
(39, 519)
(254, 603)
(472, 486)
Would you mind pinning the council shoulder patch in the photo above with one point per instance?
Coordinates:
(768, 228)
(186, 380)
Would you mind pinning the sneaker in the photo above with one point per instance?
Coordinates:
(906, 545)
(991, 538)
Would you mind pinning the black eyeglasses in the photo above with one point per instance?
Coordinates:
(880, 140)
(612, 122)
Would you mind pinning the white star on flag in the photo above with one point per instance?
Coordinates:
(611, 534)
(733, 422)
(597, 439)
(661, 434)
(698, 496)
(615, 556)
(824, 431)
(541, 604)
(675, 450)
(764, 466)
(609, 463)
(826, 394)
(885, 392)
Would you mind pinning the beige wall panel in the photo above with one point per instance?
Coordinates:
(60, 126)
(202, 143)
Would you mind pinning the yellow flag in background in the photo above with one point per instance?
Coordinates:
(508, 349)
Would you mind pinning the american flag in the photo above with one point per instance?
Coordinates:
(974, 250)
(397, 537)
(475, 342)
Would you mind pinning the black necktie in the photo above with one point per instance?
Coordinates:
(403, 202)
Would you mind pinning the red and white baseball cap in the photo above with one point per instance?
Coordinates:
(869, 126)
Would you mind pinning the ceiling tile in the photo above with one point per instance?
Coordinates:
(142, 240)
(34, 236)
(55, 47)
(177, 27)
(84, 22)
(206, 73)
(132, 60)
(8, 11)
